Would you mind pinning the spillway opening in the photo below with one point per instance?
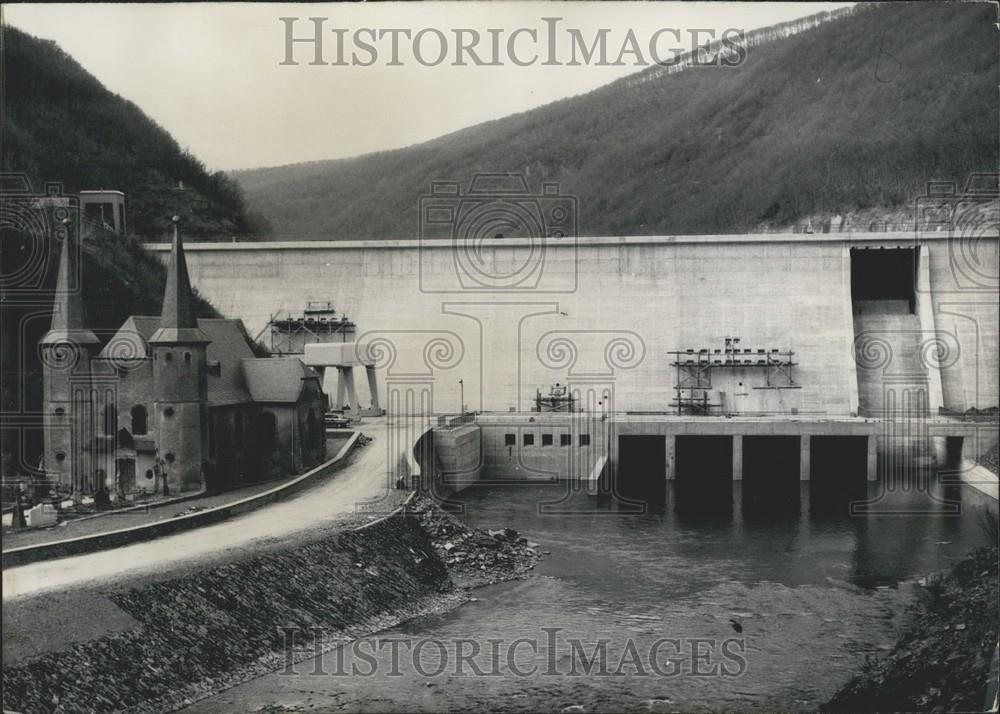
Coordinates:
(839, 467)
(642, 469)
(884, 280)
(704, 474)
(771, 474)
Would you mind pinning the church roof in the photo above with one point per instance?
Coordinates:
(68, 317)
(227, 346)
(178, 323)
(277, 379)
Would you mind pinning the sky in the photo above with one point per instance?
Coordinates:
(215, 74)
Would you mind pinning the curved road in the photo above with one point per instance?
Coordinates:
(363, 479)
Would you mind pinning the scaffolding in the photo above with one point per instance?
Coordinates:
(558, 400)
(694, 368)
(318, 322)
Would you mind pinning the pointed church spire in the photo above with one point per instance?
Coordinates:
(69, 321)
(178, 323)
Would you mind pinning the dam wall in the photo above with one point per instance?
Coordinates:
(508, 317)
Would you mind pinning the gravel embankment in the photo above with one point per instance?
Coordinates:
(942, 661)
(193, 634)
(991, 459)
(475, 557)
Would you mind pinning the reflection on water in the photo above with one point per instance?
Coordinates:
(901, 535)
(813, 595)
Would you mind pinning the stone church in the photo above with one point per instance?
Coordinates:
(173, 403)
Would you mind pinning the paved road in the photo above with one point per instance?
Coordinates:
(335, 499)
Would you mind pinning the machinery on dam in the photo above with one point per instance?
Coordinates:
(559, 399)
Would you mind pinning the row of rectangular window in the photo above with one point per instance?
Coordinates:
(529, 440)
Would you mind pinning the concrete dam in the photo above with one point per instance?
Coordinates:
(890, 338)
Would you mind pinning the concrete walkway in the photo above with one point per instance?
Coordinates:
(981, 478)
(153, 512)
(362, 481)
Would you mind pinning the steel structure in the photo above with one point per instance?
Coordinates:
(694, 367)
(319, 322)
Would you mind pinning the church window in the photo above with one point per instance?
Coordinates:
(139, 420)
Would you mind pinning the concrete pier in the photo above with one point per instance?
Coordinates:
(872, 457)
(805, 472)
(670, 444)
(737, 457)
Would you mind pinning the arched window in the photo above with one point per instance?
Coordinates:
(110, 419)
(139, 420)
(266, 431)
(187, 358)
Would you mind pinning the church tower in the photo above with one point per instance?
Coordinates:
(66, 352)
(180, 380)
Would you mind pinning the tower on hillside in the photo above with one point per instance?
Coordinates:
(66, 351)
(180, 380)
(105, 208)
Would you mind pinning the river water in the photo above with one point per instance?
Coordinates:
(814, 596)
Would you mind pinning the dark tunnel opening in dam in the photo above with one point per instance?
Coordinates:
(771, 474)
(704, 474)
(839, 468)
(642, 468)
(884, 277)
